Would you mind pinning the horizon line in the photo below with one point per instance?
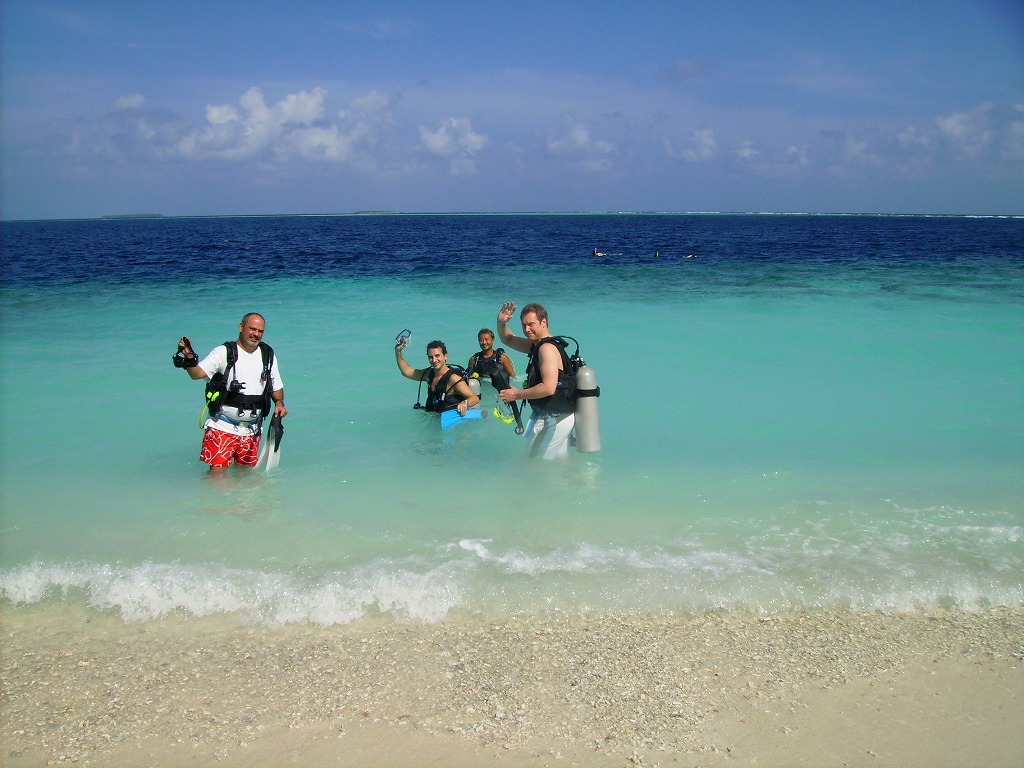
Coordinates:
(371, 213)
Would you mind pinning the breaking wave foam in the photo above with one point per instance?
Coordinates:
(471, 575)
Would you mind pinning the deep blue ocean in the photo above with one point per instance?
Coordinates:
(796, 412)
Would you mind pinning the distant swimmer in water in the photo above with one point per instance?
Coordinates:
(598, 253)
(691, 256)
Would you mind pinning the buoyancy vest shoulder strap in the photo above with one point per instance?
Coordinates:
(266, 352)
(232, 350)
(268, 359)
(262, 401)
(560, 344)
(453, 370)
(429, 373)
(439, 398)
(561, 401)
(478, 360)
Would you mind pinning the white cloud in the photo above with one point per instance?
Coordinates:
(303, 108)
(300, 134)
(456, 140)
(295, 127)
(859, 151)
(325, 143)
(797, 155)
(589, 153)
(989, 137)
(218, 115)
(967, 131)
(989, 133)
(134, 101)
(771, 163)
(912, 136)
(703, 147)
(746, 151)
(370, 103)
(578, 141)
(379, 29)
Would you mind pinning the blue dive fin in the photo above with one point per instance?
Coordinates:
(452, 417)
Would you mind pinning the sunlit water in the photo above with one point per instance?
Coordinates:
(812, 411)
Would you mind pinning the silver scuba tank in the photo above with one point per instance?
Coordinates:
(588, 436)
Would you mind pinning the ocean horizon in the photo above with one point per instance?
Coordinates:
(878, 214)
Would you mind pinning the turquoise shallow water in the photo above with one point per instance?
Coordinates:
(775, 434)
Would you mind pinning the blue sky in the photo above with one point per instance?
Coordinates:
(205, 108)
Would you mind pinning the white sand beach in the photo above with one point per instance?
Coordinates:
(816, 688)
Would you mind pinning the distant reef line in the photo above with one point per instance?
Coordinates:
(369, 212)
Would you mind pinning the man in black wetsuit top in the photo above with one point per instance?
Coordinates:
(485, 362)
(552, 420)
(446, 389)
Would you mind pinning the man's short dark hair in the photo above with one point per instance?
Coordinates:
(537, 309)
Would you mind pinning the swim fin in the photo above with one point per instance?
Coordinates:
(452, 417)
(270, 447)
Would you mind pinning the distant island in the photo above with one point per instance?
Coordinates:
(133, 216)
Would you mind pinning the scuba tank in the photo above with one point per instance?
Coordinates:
(588, 437)
(579, 389)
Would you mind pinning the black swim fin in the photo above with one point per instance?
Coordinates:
(270, 450)
(275, 432)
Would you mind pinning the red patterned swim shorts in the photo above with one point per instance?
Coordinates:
(220, 447)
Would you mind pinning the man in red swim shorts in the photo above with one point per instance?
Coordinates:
(219, 448)
(244, 387)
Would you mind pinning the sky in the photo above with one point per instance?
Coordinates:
(223, 108)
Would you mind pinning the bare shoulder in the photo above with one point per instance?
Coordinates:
(549, 354)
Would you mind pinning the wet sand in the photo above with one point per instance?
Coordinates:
(816, 688)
